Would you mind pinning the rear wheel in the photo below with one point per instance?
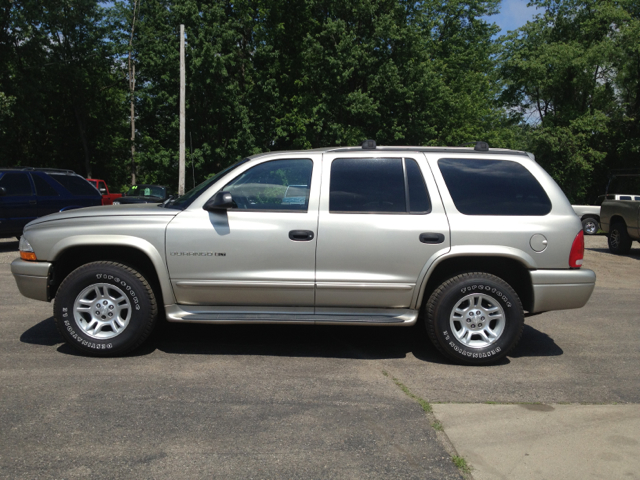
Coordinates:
(105, 309)
(474, 318)
(590, 226)
(619, 239)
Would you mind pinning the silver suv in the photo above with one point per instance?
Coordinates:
(468, 238)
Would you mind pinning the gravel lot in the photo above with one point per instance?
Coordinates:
(288, 401)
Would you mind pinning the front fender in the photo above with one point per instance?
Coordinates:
(147, 248)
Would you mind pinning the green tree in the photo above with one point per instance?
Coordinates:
(60, 70)
(565, 82)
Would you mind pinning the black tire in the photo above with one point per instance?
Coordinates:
(124, 292)
(619, 239)
(590, 226)
(500, 313)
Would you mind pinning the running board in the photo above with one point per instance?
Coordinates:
(222, 315)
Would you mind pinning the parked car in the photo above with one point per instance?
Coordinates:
(101, 185)
(621, 223)
(143, 194)
(29, 193)
(470, 238)
(589, 216)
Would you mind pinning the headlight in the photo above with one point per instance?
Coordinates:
(115, 202)
(26, 250)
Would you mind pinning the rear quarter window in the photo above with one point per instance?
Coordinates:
(76, 185)
(493, 187)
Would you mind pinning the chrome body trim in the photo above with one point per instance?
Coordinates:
(290, 315)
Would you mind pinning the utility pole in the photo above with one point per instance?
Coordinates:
(132, 88)
(182, 115)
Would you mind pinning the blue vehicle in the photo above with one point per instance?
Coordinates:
(29, 193)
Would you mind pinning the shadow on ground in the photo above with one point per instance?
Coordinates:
(9, 246)
(322, 341)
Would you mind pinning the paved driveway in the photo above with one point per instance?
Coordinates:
(288, 401)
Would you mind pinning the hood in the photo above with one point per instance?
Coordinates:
(139, 209)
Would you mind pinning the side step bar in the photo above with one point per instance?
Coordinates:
(227, 315)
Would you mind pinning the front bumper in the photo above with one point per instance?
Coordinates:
(561, 289)
(32, 278)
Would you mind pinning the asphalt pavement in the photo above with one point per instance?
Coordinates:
(326, 402)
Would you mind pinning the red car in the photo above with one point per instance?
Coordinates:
(101, 185)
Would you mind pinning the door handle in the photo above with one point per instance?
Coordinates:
(32, 202)
(432, 238)
(301, 235)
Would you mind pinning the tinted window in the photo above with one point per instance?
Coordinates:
(76, 185)
(625, 197)
(418, 197)
(275, 185)
(493, 187)
(43, 188)
(367, 185)
(16, 183)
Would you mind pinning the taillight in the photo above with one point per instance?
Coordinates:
(577, 251)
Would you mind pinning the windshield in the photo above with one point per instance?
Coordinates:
(146, 191)
(185, 200)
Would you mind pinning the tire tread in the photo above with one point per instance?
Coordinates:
(434, 300)
(150, 295)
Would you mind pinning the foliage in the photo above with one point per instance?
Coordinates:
(296, 74)
(566, 81)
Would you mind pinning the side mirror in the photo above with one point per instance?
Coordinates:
(220, 201)
(3, 191)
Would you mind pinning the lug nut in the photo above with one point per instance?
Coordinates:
(111, 308)
(97, 313)
(111, 314)
(468, 320)
(103, 317)
(473, 325)
(98, 305)
(105, 303)
(479, 325)
(481, 318)
(471, 314)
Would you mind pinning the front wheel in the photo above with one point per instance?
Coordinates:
(105, 309)
(474, 318)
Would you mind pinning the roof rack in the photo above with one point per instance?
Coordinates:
(42, 169)
(479, 146)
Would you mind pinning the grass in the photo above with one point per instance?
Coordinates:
(423, 403)
(458, 461)
(461, 463)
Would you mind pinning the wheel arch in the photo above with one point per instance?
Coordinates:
(134, 252)
(617, 219)
(590, 215)
(512, 270)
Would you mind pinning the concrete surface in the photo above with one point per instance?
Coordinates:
(543, 442)
(310, 402)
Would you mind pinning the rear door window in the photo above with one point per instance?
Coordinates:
(493, 187)
(377, 185)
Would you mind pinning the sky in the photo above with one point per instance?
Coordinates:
(513, 14)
